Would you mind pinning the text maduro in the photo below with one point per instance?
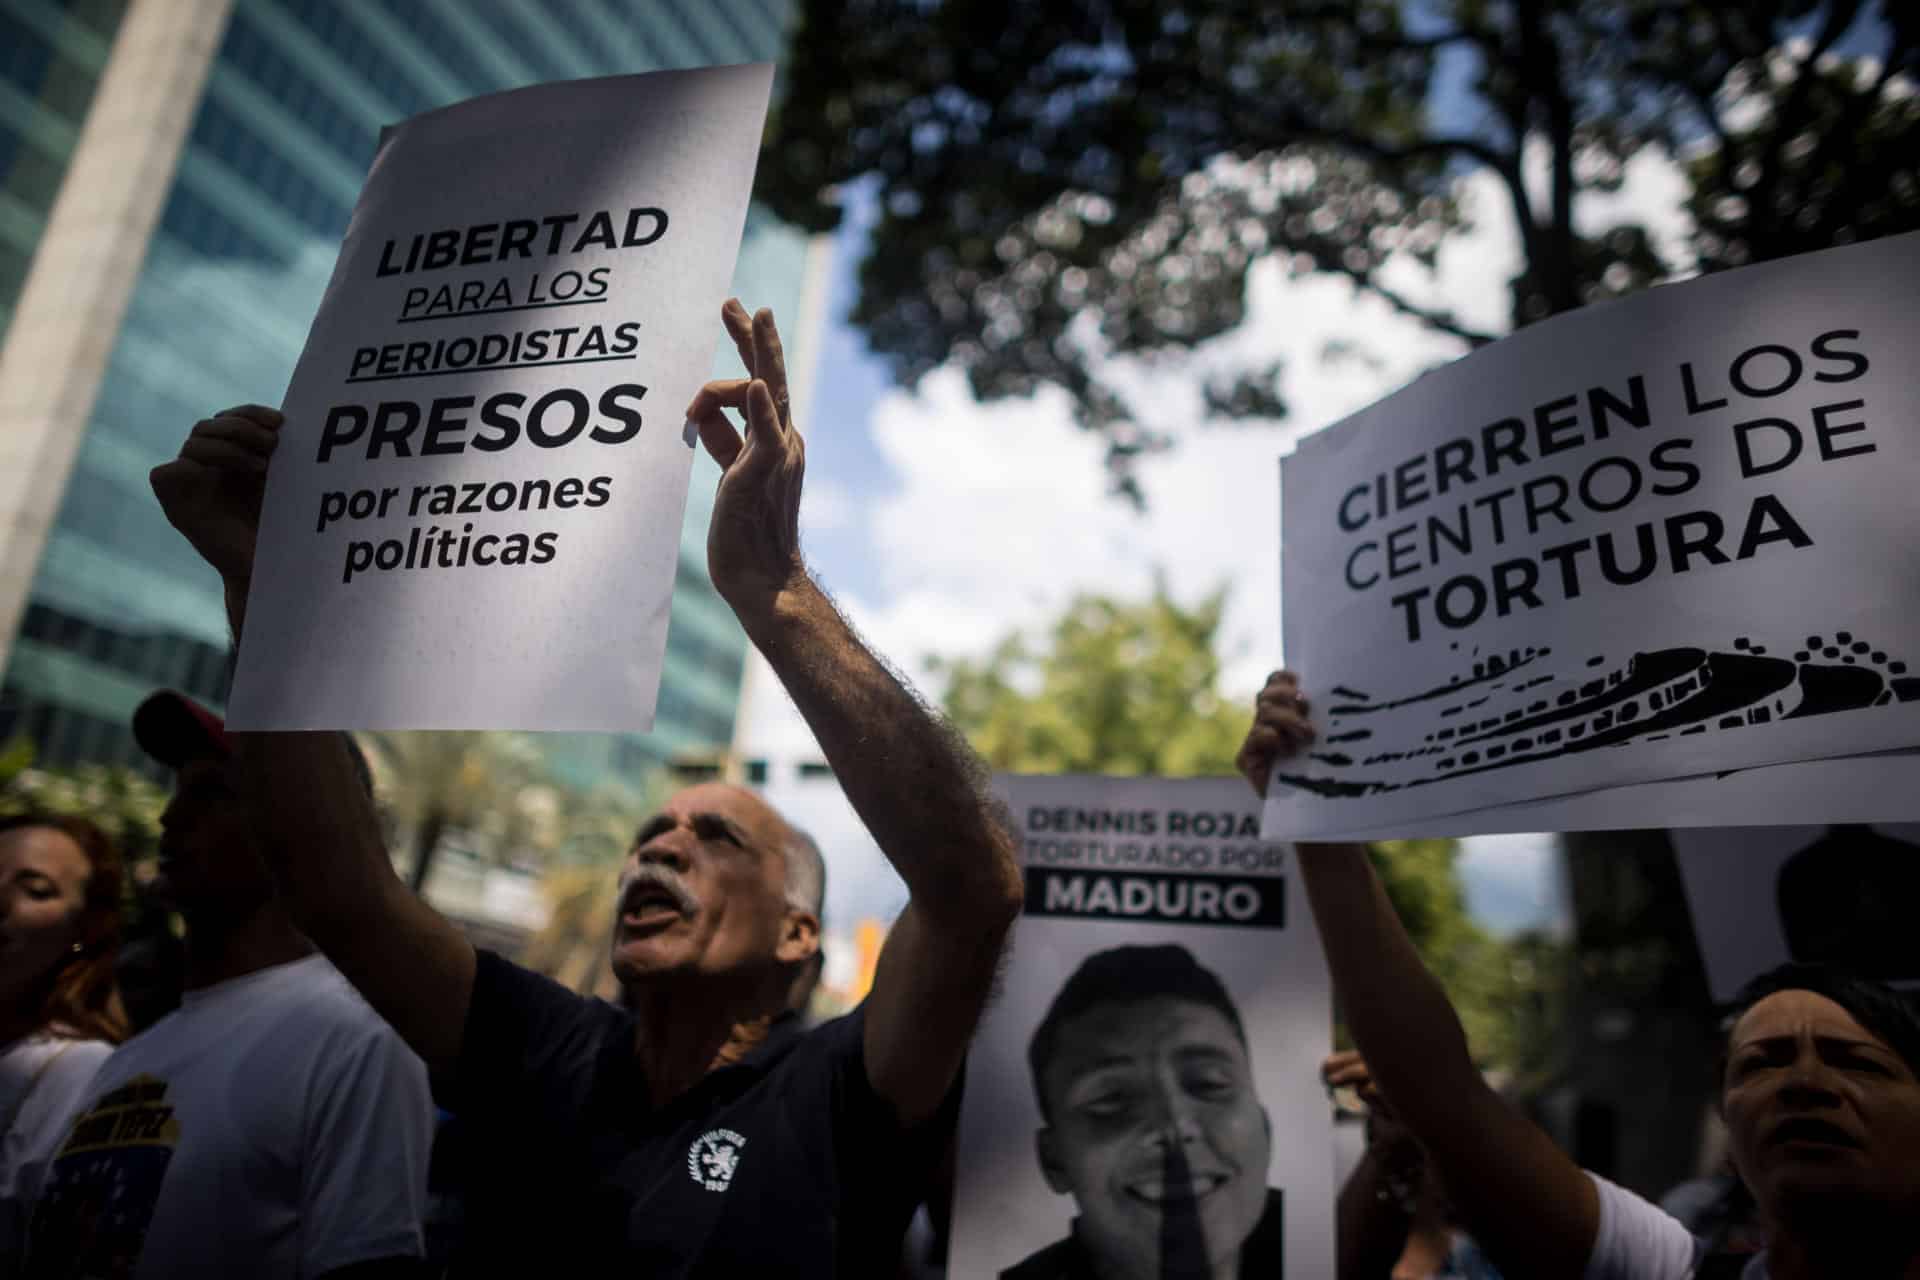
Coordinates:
(1171, 899)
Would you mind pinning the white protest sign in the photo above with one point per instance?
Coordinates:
(1167, 981)
(1662, 538)
(473, 517)
(1874, 788)
(1761, 896)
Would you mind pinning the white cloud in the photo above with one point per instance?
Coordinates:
(1650, 194)
(828, 509)
(1002, 512)
(1472, 269)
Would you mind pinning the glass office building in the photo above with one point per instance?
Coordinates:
(44, 95)
(297, 94)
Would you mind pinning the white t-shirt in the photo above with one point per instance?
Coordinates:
(1639, 1241)
(42, 1079)
(272, 1126)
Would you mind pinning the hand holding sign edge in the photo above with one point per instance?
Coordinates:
(212, 492)
(1280, 729)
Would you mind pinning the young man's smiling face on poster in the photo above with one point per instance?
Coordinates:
(1152, 1121)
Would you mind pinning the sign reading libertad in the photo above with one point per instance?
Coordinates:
(473, 519)
(1679, 525)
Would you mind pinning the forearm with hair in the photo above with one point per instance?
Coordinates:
(323, 841)
(322, 836)
(915, 783)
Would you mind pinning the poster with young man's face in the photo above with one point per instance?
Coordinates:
(1143, 1101)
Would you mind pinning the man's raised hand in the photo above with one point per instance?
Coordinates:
(1280, 729)
(211, 492)
(753, 544)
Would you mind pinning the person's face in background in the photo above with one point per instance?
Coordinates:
(210, 866)
(1157, 1134)
(43, 886)
(1823, 1115)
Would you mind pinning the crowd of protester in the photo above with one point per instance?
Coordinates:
(349, 1088)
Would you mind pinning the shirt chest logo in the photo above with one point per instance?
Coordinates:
(713, 1157)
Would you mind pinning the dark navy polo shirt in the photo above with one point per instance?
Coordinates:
(785, 1163)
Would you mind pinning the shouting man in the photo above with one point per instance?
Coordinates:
(694, 1130)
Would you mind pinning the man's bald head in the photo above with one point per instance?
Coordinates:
(804, 868)
(713, 885)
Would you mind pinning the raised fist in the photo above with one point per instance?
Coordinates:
(1280, 729)
(211, 492)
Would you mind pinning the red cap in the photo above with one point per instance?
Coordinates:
(173, 729)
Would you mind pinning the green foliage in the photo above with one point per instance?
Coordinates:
(1508, 992)
(1118, 687)
(464, 776)
(123, 803)
(483, 783)
(493, 789)
(1132, 159)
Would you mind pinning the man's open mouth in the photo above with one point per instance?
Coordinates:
(1161, 1191)
(649, 906)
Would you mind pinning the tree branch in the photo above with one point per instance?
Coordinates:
(1475, 148)
(1342, 14)
(1541, 66)
(1433, 317)
(1787, 122)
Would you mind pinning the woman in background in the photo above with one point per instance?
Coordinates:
(60, 1011)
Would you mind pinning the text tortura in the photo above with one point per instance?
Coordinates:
(1579, 499)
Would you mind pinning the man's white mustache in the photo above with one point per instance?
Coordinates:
(649, 876)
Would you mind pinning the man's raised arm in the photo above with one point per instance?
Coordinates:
(320, 834)
(1527, 1204)
(915, 784)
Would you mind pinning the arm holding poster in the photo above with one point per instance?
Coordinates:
(1529, 1205)
(916, 786)
(413, 966)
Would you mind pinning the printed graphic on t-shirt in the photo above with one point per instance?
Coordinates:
(101, 1188)
(713, 1157)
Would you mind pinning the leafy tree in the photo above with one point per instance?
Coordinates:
(1509, 992)
(125, 804)
(573, 946)
(486, 782)
(582, 884)
(1116, 688)
(1061, 183)
(1128, 688)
